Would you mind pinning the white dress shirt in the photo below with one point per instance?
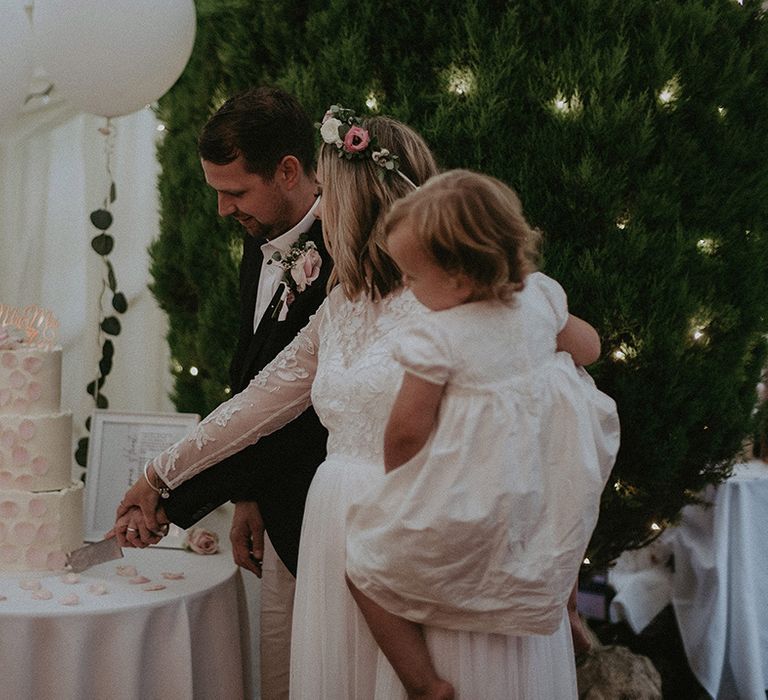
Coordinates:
(272, 274)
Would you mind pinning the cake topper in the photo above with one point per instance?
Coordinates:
(31, 325)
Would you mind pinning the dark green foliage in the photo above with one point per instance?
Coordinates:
(654, 212)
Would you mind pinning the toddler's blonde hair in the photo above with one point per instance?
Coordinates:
(472, 224)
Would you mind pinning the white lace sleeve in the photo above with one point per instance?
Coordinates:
(277, 395)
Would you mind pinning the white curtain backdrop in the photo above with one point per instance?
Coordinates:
(53, 174)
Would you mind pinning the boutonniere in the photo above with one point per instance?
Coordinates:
(301, 265)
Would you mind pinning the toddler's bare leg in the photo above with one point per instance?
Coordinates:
(402, 642)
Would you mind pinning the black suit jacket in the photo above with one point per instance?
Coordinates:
(277, 470)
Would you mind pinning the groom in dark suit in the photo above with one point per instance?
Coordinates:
(257, 152)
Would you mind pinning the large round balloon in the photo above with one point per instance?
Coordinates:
(16, 64)
(113, 57)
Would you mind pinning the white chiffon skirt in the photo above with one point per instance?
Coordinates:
(334, 656)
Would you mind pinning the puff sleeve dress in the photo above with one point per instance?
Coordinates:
(485, 528)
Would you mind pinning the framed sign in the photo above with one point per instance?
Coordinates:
(119, 446)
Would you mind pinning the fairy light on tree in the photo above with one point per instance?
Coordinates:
(461, 80)
(566, 106)
(669, 93)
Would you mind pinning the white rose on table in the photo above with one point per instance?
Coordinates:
(201, 541)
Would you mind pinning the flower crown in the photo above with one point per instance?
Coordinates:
(343, 129)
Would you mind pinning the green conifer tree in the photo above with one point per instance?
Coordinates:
(634, 133)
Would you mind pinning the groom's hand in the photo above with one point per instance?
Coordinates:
(247, 536)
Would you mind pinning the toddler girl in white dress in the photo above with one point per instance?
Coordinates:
(497, 447)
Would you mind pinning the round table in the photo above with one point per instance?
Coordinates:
(187, 641)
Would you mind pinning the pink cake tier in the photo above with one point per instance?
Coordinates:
(38, 529)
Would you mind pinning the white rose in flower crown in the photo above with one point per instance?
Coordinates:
(330, 131)
(201, 541)
(307, 269)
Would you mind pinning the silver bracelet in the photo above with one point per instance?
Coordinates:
(163, 490)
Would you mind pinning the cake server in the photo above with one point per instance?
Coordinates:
(92, 554)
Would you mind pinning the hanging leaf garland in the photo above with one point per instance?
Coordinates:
(109, 325)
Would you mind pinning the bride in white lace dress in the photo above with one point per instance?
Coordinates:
(342, 363)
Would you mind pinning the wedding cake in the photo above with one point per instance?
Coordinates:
(41, 509)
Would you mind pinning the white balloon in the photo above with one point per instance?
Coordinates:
(113, 57)
(16, 63)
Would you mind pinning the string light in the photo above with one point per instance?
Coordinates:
(460, 80)
(669, 94)
(227, 390)
(707, 246)
(622, 222)
(177, 368)
(372, 102)
(160, 127)
(722, 112)
(655, 527)
(624, 352)
(566, 106)
(586, 560)
(193, 371)
(697, 328)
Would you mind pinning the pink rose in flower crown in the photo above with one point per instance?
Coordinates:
(201, 541)
(356, 139)
(307, 269)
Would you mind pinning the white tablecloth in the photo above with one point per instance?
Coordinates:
(720, 585)
(188, 641)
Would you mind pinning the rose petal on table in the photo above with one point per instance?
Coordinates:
(126, 570)
(98, 589)
(30, 584)
(70, 578)
(139, 579)
(173, 575)
(71, 599)
(42, 594)
(154, 587)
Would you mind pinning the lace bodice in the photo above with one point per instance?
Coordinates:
(341, 362)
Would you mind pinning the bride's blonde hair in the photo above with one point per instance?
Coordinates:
(357, 194)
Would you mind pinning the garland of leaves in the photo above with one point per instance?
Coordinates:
(103, 243)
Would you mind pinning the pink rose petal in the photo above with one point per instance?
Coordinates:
(70, 578)
(30, 584)
(173, 576)
(23, 482)
(40, 466)
(34, 391)
(24, 533)
(20, 405)
(98, 589)
(47, 533)
(20, 456)
(9, 509)
(37, 507)
(43, 594)
(9, 360)
(126, 570)
(9, 553)
(154, 587)
(36, 557)
(56, 561)
(32, 364)
(26, 429)
(71, 599)
(16, 380)
(138, 580)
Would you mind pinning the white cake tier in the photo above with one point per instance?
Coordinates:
(35, 452)
(30, 381)
(38, 529)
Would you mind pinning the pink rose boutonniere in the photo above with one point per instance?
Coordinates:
(201, 541)
(301, 265)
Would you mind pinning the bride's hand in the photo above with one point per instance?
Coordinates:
(144, 497)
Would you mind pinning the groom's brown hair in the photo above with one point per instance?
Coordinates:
(263, 125)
